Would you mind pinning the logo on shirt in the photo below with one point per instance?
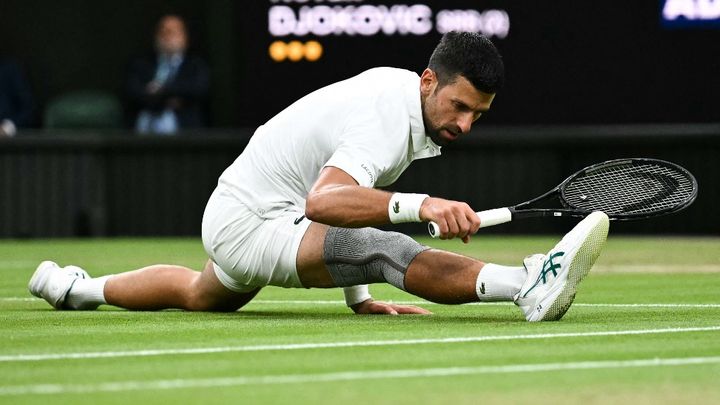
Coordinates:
(396, 207)
(369, 173)
(298, 220)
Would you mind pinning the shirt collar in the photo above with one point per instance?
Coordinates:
(422, 146)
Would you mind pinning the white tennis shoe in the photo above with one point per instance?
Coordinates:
(53, 282)
(552, 279)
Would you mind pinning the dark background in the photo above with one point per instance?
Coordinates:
(586, 81)
(568, 62)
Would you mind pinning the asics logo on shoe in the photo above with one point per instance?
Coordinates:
(548, 266)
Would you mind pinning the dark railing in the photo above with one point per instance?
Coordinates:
(65, 183)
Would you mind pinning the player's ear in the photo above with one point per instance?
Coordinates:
(428, 82)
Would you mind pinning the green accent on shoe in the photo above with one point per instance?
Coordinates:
(548, 266)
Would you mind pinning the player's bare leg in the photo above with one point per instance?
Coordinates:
(435, 275)
(150, 288)
(544, 288)
(166, 286)
(443, 277)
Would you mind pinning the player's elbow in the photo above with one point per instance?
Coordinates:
(313, 207)
(323, 209)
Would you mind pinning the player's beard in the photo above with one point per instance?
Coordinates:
(434, 133)
(432, 129)
(435, 136)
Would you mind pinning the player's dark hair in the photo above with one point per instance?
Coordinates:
(471, 55)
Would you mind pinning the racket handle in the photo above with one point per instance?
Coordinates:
(487, 218)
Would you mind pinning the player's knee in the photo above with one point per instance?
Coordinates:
(198, 298)
(195, 300)
(202, 302)
(368, 255)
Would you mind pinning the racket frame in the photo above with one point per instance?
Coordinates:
(522, 210)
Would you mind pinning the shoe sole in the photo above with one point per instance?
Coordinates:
(39, 278)
(580, 266)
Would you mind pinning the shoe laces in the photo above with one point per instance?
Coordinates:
(532, 262)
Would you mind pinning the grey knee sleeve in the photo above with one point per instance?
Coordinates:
(368, 255)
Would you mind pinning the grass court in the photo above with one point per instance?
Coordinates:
(644, 329)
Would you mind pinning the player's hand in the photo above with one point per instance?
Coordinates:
(454, 218)
(371, 306)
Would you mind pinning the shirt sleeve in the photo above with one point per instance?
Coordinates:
(356, 160)
(370, 148)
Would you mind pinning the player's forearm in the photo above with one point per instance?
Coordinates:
(348, 206)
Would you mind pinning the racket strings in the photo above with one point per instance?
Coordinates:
(630, 189)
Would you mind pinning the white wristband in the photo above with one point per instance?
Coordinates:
(356, 294)
(405, 207)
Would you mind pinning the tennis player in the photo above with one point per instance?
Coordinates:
(296, 208)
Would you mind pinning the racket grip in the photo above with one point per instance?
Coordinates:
(487, 218)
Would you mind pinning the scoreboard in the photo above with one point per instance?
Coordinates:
(567, 61)
(690, 13)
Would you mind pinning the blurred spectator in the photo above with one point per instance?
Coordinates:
(16, 103)
(169, 87)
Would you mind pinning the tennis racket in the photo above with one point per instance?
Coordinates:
(624, 189)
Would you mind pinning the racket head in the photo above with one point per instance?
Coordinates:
(629, 189)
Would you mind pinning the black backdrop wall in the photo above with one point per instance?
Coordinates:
(102, 184)
(568, 61)
(569, 64)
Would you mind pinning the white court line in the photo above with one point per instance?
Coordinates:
(649, 305)
(330, 345)
(340, 302)
(18, 264)
(49, 389)
(419, 302)
(21, 299)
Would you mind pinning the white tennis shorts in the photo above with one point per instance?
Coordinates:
(249, 251)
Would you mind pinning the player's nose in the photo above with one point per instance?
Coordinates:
(464, 123)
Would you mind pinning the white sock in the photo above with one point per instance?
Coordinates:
(87, 294)
(499, 283)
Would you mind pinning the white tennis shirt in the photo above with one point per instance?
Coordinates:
(370, 126)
